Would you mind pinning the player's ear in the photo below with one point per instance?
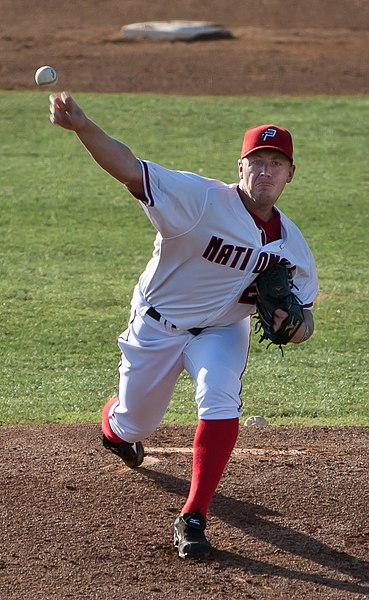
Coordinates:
(240, 167)
(291, 173)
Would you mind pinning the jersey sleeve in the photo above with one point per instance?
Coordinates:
(307, 283)
(305, 277)
(296, 251)
(174, 200)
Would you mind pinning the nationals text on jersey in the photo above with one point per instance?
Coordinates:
(238, 256)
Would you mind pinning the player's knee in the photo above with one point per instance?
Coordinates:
(130, 432)
(218, 394)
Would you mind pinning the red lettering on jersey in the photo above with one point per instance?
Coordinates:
(248, 295)
(238, 251)
(224, 254)
(245, 261)
(266, 260)
(262, 262)
(213, 248)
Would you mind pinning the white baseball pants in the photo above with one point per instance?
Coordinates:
(153, 355)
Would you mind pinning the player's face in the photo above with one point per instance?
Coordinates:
(264, 174)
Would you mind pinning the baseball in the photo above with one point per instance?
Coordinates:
(257, 420)
(46, 76)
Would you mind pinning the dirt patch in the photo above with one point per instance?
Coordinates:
(287, 521)
(289, 517)
(279, 47)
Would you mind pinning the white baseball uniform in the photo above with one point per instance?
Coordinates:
(207, 253)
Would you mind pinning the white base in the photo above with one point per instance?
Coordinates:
(174, 30)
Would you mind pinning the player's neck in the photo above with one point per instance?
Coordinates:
(265, 211)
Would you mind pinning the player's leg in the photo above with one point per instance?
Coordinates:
(216, 359)
(132, 453)
(151, 362)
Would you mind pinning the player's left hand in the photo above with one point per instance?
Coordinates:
(279, 316)
(279, 310)
(304, 331)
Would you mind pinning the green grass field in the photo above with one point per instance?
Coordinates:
(73, 243)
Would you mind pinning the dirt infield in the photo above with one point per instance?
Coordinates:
(279, 47)
(289, 519)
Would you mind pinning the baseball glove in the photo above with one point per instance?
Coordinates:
(273, 290)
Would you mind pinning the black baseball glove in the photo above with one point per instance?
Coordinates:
(273, 288)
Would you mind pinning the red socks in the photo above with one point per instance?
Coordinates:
(105, 426)
(213, 445)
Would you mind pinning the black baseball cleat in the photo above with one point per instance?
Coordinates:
(131, 454)
(189, 536)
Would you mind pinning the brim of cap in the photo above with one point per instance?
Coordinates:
(268, 146)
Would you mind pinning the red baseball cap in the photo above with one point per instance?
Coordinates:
(267, 136)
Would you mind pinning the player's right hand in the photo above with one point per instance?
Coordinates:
(66, 113)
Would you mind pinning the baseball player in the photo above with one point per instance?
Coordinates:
(191, 307)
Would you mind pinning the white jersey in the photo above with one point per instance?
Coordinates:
(209, 250)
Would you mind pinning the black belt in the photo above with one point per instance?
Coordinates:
(154, 314)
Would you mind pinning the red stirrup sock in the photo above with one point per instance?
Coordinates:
(106, 429)
(213, 445)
